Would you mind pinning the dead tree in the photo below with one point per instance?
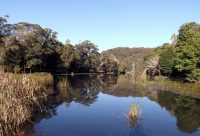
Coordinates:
(153, 66)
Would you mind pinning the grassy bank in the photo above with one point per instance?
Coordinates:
(20, 99)
(182, 88)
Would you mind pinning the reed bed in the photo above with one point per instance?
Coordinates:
(19, 100)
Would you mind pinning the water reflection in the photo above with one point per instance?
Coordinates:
(185, 109)
(85, 89)
(88, 90)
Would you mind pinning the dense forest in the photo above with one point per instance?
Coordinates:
(26, 47)
(179, 59)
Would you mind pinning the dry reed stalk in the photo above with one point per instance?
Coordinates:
(18, 101)
(134, 114)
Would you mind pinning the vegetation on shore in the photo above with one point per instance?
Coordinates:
(131, 60)
(180, 59)
(176, 87)
(20, 99)
(27, 48)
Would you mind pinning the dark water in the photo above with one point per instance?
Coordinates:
(98, 106)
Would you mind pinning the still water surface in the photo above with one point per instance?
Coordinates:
(98, 106)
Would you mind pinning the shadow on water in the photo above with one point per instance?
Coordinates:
(85, 90)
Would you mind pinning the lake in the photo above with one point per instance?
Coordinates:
(96, 105)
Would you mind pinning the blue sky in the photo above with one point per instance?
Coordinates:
(107, 23)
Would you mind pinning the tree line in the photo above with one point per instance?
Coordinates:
(179, 59)
(26, 47)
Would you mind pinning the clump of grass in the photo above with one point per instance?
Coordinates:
(19, 100)
(134, 114)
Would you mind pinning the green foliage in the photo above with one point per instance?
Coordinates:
(26, 47)
(86, 56)
(67, 56)
(155, 52)
(181, 59)
(34, 49)
(30, 48)
(189, 34)
(13, 56)
(155, 59)
(188, 51)
(187, 58)
(166, 60)
(194, 75)
(108, 63)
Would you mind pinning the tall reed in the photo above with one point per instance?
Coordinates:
(19, 99)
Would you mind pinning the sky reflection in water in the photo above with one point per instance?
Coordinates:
(98, 106)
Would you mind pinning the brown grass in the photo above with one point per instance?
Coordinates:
(44, 79)
(134, 114)
(177, 87)
(186, 89)
(19, 98)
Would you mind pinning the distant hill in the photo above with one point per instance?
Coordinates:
(130, 59)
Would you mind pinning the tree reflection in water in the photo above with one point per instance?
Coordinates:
(85, 90)
(185, 109)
